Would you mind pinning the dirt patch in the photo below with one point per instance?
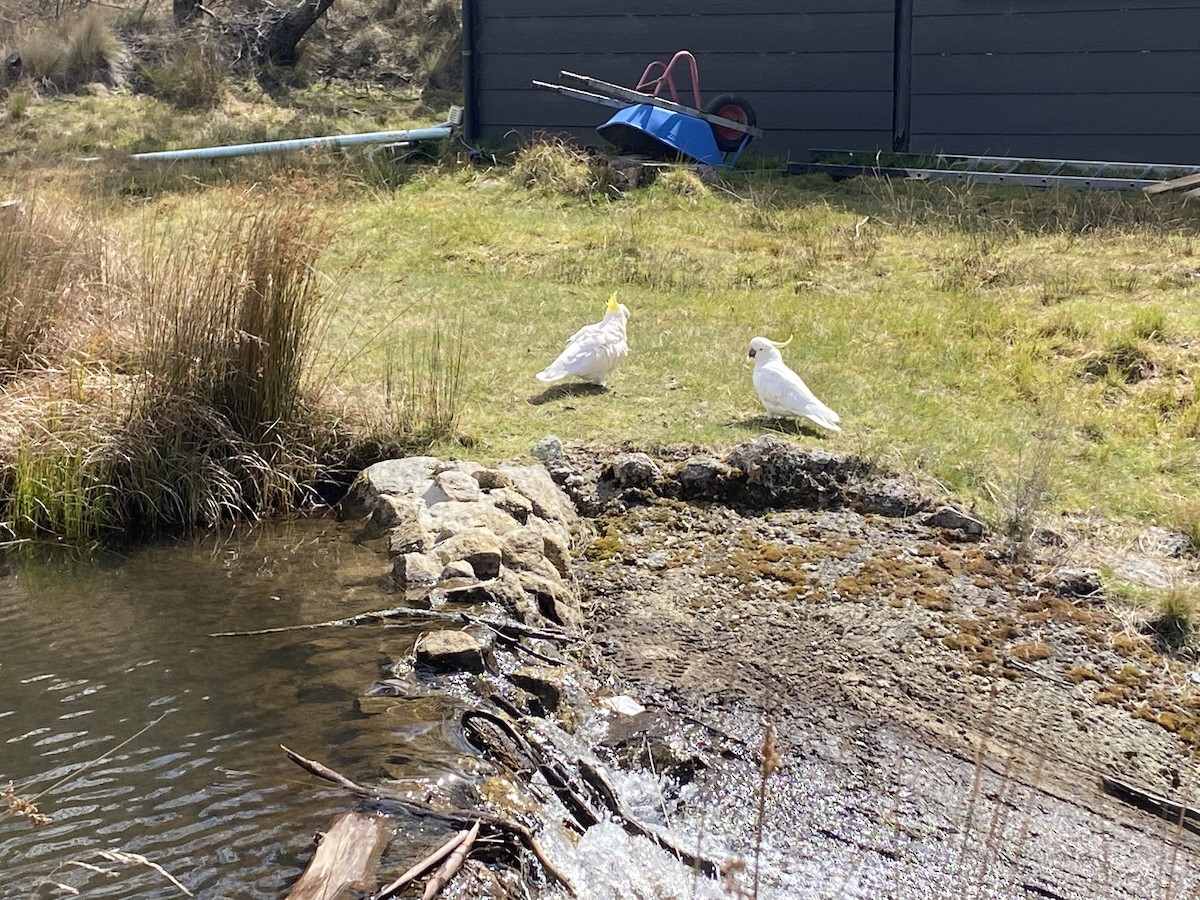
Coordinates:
(945, 715)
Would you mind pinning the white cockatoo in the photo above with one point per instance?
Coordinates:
(782, 391)
(594, 351)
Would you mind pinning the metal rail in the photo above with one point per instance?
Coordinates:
(633, 97)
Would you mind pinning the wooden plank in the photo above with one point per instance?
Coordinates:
(783, 144)
(1077, 114)
(1122, 71)
(776, 110)
(556, 9)
(346, 858)
(1178, 150)
(657, 37)
(740, 73)
(1090, 7)
(1057, 32)
(1175, 184)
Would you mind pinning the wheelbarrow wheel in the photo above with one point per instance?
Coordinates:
(737, 109)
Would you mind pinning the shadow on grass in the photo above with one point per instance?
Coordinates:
(573, 389)
(780, 426)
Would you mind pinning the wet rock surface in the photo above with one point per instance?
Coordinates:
(944, 715)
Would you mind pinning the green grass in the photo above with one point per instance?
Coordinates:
(928, 328)
(1030, 351)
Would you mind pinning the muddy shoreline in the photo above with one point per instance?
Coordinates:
(945, 715)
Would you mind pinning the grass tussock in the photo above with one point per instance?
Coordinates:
(191, 76)
(211, 409)
(66, 54)
(556, 167)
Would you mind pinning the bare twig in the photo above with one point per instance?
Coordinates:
(505, 626)
(452, 864)
(435, 857)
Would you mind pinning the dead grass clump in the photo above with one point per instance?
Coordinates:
(682, 182)
(1123, 361)
(556, 167)
(50, 261)
(191, 76)
(66, 54)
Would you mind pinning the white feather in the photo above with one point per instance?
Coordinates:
(594, 351)
(782, 391)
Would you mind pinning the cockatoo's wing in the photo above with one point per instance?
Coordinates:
(784, 393)
(593, 353)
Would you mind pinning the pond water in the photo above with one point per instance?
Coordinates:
(93, 651)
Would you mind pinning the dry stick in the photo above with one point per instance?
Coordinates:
(457, 816)
(406, 612)
(435, 857)
(579, 807)
(451, 865)
(515, 643)
(1187, 816)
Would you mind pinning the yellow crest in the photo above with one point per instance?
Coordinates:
(612, 302)
(779, 346)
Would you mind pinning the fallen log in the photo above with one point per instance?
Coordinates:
(346, 858)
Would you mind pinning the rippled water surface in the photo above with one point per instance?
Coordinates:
(93, 651)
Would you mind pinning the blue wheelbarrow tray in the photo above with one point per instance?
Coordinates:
(661, 133)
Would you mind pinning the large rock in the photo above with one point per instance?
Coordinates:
(476, 546)
(457, 486)
(450, 651)
(416, 569)
(635, 470)
(549, 502)
(410, 476)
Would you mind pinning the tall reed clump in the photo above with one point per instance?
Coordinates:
(221, 422)
(47, 255)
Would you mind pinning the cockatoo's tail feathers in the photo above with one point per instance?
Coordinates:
(778, 346)
(612, 302)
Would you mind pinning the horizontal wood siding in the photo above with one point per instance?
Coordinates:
(1058, 78)
(817, 72)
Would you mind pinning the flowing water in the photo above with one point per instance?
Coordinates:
(93, 651)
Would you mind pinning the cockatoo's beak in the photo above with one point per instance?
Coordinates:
(779, 346)
(612, 303)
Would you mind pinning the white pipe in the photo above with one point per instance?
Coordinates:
(344, 140)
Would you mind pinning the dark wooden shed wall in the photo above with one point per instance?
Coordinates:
(1076, 79)
(1103, 79)
(818, 72)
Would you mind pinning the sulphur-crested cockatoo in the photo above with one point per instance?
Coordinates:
(594, 351)
(782, 391)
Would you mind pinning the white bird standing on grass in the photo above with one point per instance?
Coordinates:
(594, 351)
(782, 391)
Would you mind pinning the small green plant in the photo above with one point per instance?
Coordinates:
(193, 77)
(17, 105)
(1150, 324)
(1175, 617)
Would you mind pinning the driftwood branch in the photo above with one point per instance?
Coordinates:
(429, 861)
(503, 626)
(452, 864)
(348, 854)
(1185, 816)
(564, 772)
(460, 817)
